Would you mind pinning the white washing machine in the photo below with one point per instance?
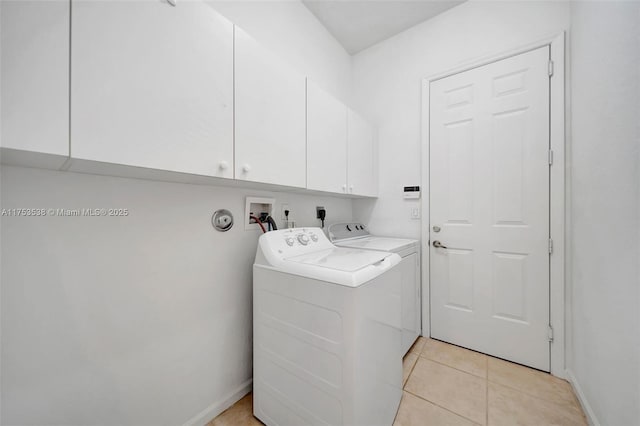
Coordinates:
(326, 332)
(355, 235)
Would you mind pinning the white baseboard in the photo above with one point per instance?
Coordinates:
(588, 411)
(209, 413)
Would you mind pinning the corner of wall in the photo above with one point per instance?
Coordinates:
(591, 415)
(212, 411)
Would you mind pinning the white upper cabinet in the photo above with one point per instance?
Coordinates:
(269, 117)
(35, 76)
(362, 170)
(326, 141)
(152, 85)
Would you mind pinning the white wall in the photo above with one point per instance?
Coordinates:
(605, 222)
(291, 31)
(604, 161)
(387, 87)
(142, 320)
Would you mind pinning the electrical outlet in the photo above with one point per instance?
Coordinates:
(318, 208)
(285, 207)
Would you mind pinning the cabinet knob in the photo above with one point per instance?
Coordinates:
(246, 168)
(223, 165)
(344, 188)
(351, 188)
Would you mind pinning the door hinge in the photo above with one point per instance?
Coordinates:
(550, 68)
(550, 157)
(550, 333)
(550, 246)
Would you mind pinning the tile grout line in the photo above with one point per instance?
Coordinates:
(487, 357)
(524, 392)
(431, 402)
(552, 401)
(447, 365)
(440, 406)
(486, 361)
(413, 367)
(559, 403)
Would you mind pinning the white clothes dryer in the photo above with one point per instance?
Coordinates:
(356, 235)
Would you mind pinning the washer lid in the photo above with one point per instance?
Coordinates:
(377, 243)
(340, 259)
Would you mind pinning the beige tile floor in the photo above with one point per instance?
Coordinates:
(448, 385)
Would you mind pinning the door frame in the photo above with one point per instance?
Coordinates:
(557, 189)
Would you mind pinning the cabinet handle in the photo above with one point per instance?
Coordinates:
(246, 168)
(223, 165)
(172, 2)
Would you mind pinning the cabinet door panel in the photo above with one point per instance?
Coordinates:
(362, 175)
(269, 117)
(152, 86)
(326, 141)
(35, 75)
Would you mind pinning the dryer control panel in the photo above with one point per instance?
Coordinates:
(340, 231)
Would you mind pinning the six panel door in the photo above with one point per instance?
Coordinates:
(489, 198)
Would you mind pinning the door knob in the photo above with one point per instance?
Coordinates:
(438, 244)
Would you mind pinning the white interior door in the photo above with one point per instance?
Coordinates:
(489, 198)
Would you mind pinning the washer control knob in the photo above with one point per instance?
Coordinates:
(314, 238)
(290, 241)
(304, 240)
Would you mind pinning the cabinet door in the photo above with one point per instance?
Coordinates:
(362, 170)
(35, 75)
(269, 117)
(326, 141)
(152, 85)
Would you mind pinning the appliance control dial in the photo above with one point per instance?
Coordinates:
(314, 238)
(290, 241)
(303, 239)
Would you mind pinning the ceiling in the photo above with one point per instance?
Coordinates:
(358, 24)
